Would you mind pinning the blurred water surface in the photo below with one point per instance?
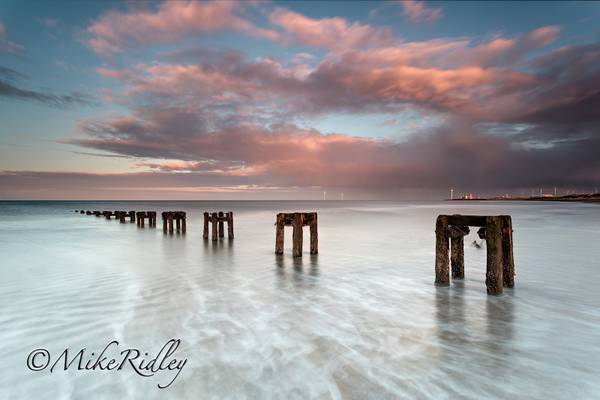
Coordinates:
(360, 320)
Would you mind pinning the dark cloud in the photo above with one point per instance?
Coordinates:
(10, 81)
(458, 153)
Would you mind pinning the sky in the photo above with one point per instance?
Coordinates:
(297, 100)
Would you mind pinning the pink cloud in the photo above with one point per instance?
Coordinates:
(173, 20)
(416, 11)
(363, 80)
(503, 51)
(488, 81)
(329, 33)
(114, 74)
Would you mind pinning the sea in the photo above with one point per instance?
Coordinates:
(363, 319)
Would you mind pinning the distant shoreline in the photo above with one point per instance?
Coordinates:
(585, 198)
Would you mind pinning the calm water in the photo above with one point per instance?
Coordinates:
(360, 320)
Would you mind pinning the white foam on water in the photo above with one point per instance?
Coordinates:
(360, 320)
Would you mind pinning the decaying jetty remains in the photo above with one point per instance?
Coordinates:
(141, 216)
(178, 216)
(297, 220)
(218, 219)
(497, 232)
(122, 215)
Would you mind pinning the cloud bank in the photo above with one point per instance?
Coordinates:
(513, 112)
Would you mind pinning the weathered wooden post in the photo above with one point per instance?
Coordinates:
(183, 221)
(107, 214)
(495, 265)
(297, 235)
(217, 220)
(279, 233)
(120, 215)
(495, 230)
(230, 225)
(457, 250)
(142, 215)
(442, 274)
(297, 221)
(314, 235)
(170, 222)
(215, 225)
(205, 229)
(132, 216)
(168, 217)
(221, 225)
(507, 252)
(81, 212)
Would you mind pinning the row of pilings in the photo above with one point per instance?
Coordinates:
(450, 231)
(124, 216)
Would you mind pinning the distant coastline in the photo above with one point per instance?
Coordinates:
(580, 197)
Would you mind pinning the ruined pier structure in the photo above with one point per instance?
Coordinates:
(297, 220)
(168, 217)
(218, 219)
(497, 232)
(120, 215)
(143, 215)
(123, 215)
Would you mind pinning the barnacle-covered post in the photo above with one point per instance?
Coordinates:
(279, 233)
(457, 250)
(215, 226)
(297, 235)
(164, 221)
(507, 252)
(183, 216)
(221, 225)
(297, 220)
(230, 225)
(205, 229)
(495, 265)
(442, 273)
(314, 234)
